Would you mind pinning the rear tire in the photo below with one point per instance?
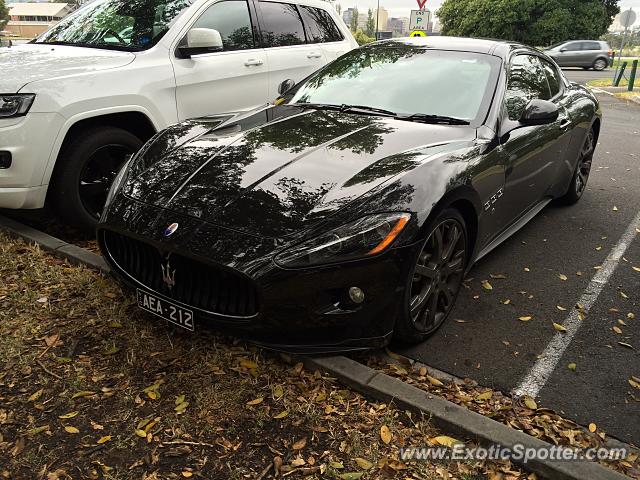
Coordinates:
(435, 279)
(85, 170)
(600, 64)
(583, 169)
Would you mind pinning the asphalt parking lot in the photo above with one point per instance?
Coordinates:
(566, 256)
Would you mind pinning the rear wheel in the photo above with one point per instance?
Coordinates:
(85, 171)
(583, 170)
(600, 64)
(435, 280)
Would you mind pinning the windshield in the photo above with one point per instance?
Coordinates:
(117, 24)
(407, 80)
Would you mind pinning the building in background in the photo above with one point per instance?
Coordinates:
(382, 19)
(30, 19)
(399, 26)
(347, 16)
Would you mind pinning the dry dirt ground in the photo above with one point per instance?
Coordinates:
(91, 388)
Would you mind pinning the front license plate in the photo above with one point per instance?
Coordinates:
(172, 313)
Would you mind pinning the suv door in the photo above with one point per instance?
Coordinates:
(322, 29)
(231, 80)
(533, 154)
(285, 42)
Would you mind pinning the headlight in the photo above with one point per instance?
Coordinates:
(15, 105)
(365, 237)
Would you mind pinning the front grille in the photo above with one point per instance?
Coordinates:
(196, 284)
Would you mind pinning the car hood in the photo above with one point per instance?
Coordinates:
(24, 64)
(281, 170)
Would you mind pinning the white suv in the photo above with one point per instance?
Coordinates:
(84, 96)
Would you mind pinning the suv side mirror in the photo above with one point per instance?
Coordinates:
(539, 112)
(199, 41)
(285, 86)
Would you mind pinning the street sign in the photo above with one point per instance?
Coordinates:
(627, 18)
(419, 20)
(418, 33)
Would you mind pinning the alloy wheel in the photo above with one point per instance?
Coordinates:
(584, 163)
(600, 65)
(438, 275)
(98, 174)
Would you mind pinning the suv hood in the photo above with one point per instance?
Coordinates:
(24, 64)
(286, 174)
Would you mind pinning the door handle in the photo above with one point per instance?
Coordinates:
(253, 63)
(565, 124)
(314, 55)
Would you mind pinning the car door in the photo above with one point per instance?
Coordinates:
(231, 80)
(532, 153)
(569, 54)
(322, 30)
(285, 42)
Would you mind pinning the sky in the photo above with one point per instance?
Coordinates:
(401, 8)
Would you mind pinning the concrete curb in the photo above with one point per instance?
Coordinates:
(73, 253)
(455, 419)
(443, 414)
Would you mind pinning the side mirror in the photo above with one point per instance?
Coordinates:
(539, 112)
(200, 40)
(285, 86)
(562, 50)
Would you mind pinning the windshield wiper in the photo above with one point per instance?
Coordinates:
(362, 109)
(425, 118)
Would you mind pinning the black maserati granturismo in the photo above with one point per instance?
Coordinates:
(349, 211)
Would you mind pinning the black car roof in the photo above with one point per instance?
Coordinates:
(499, 48)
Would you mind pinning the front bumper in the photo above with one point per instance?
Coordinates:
(30, 140)
(302, 310)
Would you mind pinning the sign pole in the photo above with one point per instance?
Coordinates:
(377, 18)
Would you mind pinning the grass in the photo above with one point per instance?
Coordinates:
(607, 82)
(142, 400)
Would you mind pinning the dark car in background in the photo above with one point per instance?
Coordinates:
(349, 211)
(582, 53)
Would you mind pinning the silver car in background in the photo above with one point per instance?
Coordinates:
(582, 53)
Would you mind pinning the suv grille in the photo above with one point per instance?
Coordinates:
(198, 285)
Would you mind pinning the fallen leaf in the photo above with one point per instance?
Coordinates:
(525, 319)
(300, 444)
(561, 308)
(82, 393)
(256, 401)
(530, 403)
(434, 381)
(44, 428)
(626, 345)
(278, 392)
(563, 277)
(526, 269)
(623, 295)
(281, 415)
(637, 269)
(559, 328)
(506, 302)
(351, 476)
(498, 276)
(187, 474)
(141, 433)
(572, 367)
(617, 330)
(592, 427)
(68, 415)
(249, 364)
(445, 441)
(104, 439)
(181, 407)
(486, 285)
(615, 209)
(363, 464)
(36, 395)
(484, 396)
(385, 434)
(179, 400)
(70, 429)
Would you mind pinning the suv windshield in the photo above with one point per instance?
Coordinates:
(117, 24)
(406, 80)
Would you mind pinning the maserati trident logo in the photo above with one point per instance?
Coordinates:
(168, 274)
(171, 229)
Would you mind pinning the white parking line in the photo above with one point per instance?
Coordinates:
(547, 362)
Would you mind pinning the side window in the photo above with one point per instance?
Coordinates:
(591, 46)
(281, 25)
(527, 80)
(553, 77)
(320, 25)
(572, 47)
(231, 18)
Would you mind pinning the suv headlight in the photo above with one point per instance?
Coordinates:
(366, 237)
(15, 105)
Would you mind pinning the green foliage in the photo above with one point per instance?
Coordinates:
(534, 22)
(354, 20)
(370, 29)
(4, 14)
(362, 38)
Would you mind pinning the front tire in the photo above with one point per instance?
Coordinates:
(85, 170)
(583, 169)
(435, 279)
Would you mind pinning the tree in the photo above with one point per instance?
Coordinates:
(4, 14)
(534, 22)
(370, 28)
(362, 38)
(353, 25)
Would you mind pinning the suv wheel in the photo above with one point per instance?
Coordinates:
(600, 64)
(85, 170)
